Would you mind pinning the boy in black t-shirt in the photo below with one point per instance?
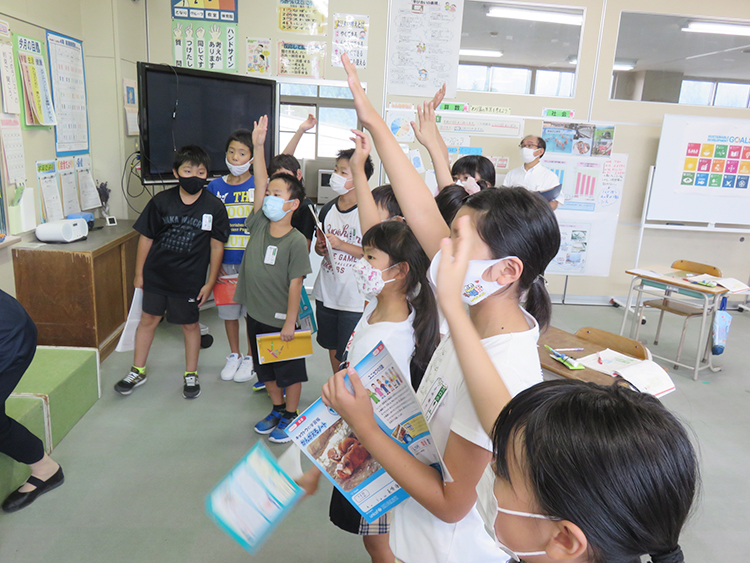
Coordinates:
(183, 229)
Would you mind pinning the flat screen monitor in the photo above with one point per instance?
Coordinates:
(181, 106)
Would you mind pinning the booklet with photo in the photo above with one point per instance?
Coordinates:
(253, 498)
(333, 447)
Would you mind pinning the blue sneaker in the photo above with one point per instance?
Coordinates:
(259, 386)
(279, 435)
(267, 425)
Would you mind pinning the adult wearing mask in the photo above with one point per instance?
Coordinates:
(533, 175)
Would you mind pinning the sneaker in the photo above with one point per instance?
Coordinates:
(279, 435)
(192, 388)
(135, 378)
(259, 386)
(231, 367)
(246, 371)
(267, 425)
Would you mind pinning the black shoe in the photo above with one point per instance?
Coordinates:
(134, 379)
(192, 388)
(17, 500)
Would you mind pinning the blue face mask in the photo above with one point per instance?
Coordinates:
(273, 207)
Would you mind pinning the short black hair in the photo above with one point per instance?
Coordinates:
(296, 189)
(475, 164)
(347, 155)
(385, 198)
(283, 162)
(192, 154)
(244, 136)
(450, 200)
(613, 461)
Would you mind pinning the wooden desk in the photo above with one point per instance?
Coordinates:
(78, 294)
(676, 289)
(557, 338)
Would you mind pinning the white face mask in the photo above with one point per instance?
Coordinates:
(516, 555)
(236, 170)
(369, 280)
(527, 154)
(475, 288)
(470, 185)
(338, 184)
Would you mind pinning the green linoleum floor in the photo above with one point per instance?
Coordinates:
(138, 468)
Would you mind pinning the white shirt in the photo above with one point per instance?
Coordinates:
(338, 291)
(416, 534)
(397, 337)
(537, 179)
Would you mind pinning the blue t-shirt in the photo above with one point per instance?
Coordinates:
(239, 203)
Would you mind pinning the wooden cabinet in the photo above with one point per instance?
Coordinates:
(78, 294)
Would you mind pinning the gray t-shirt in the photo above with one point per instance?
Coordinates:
(268, 267)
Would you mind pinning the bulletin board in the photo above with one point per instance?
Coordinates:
(702, 171)
(46, 166)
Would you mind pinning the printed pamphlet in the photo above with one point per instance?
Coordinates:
(334, 448)
(253, 498)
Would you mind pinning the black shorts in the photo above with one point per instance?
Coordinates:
(179, 310)
(335, 328)
(283, 373)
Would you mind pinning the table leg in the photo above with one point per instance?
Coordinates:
(627, 306)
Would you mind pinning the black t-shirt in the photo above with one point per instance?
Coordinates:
(178, 260)
(302, 219)
(17, 333)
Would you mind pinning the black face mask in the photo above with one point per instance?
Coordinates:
(192, 185)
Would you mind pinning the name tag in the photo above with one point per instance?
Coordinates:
(208, 221)
(434, 398)
(280, 316)
(271, 252)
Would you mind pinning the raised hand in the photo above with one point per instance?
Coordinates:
(366, 113)
(362, 150)
(308, 123)
(260, 129)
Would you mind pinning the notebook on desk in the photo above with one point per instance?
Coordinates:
(645, 375)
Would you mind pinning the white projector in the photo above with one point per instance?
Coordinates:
(65, 230)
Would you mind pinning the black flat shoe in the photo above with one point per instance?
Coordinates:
(17, 500)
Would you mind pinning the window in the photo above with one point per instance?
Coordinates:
(510, 80)
(554, 83)
(290, 118)
(731, 95)
(472, 77)
(333, 107)
(696, 93)
(516, 80)
(715, 93)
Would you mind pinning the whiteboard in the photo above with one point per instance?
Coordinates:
(702, 171)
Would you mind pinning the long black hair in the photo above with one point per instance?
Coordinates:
(398, 241)
(614, 462)
(517, 222)
(475, 165)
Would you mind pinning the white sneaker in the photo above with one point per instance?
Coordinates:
(233, 364)
(246, 371)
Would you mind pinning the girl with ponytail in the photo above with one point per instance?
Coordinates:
(517, 236)
(401, 312)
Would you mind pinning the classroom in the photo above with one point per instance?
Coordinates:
(616, 88)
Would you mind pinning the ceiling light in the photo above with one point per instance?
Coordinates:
(719, 28)
(535, 15)
(573, 60)
(479, 53)
(623, 66)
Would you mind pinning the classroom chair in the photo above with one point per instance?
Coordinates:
(681, 309)
(615, 342)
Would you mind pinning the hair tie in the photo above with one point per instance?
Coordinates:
(541, 278)
(674, 556)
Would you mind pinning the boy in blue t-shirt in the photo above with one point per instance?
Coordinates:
(236, 191)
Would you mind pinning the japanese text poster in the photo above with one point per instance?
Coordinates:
(350, 36)
(303, 16)
(302, 59)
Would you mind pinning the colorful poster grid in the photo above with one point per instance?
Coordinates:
(716, 165)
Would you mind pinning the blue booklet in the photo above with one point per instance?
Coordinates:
(253, 498)
(333, 447)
